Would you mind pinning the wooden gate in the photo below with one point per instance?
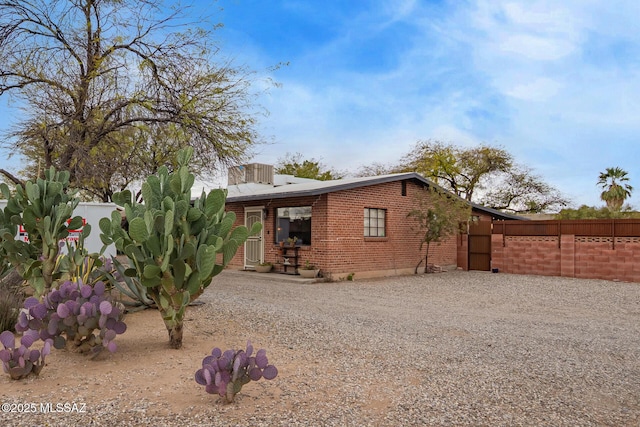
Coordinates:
(480, 245)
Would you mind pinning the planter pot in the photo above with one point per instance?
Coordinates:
(263, 268)
(309, 274)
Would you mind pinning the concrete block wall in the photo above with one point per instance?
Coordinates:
(528, 253)
(573, 256)
(606, 258)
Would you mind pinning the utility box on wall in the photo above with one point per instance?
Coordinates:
(91, 213)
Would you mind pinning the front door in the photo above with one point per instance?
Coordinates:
(254, 246)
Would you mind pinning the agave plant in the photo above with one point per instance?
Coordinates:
(129, 286)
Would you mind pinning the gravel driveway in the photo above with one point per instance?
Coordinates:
(450, 349)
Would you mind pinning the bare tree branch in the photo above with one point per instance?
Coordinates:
(99, 78)
(11, 177)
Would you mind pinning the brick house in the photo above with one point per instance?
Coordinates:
(354, 225)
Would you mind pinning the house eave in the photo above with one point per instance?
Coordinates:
(325, 187)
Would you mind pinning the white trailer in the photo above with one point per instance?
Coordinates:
(91, 213)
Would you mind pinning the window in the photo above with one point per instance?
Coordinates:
(374, 222)
(294, 222)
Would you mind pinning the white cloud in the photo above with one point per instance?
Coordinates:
(537, 48)
(515, 74)
(538, 89)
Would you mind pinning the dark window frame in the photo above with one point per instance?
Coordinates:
(285, 228)
(372, 222)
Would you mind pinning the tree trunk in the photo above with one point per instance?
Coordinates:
(426, 259)
(175, 335)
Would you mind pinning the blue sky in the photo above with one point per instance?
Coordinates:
(556, 83)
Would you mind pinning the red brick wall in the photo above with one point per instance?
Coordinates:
(573, 256)
(463, 251)
(318, 204)
(338, 245)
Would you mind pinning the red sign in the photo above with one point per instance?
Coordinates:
(73, 234)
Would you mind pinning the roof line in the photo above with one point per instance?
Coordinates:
(358, 184)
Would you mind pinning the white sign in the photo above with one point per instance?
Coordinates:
(91, 213)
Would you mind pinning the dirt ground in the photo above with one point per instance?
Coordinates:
(449, 349)
(142, 366)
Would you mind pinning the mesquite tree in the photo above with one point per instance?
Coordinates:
(438, 215)
(109, 88)
(174, 246)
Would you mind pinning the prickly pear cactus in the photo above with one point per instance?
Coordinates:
(43, 208)
(175, 246)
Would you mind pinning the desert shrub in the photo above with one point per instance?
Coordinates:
(225, 373)
(21, 361)
(79, 313)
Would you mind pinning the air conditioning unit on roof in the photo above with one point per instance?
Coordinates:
(258, 173)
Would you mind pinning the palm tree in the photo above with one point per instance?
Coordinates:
(615, 190)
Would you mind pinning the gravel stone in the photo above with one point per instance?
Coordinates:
(448, 349)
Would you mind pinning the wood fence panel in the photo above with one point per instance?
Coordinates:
(480, 246)
(583, 227)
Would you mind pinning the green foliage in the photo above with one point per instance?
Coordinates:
(458, 169)
(44, 210)
(294, 164)
(592, 212)
(464, 171)
(616, 189)
(438, 215)
(105, 127)
(308, 266)
(521, 191)
(175, 247)
(128, 286)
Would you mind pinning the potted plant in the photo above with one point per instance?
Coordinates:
(291, 241)
(264, 267)
(308, 270)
